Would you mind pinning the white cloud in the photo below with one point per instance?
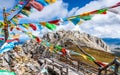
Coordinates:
(8, 4)
(56, 10)
(102, 25)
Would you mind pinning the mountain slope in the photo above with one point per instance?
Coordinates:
(82, 39)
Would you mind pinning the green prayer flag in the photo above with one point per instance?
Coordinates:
(26, 26)
(25, 12)
(101, 11)
(59, 48)
(50, 26)
(86, 17)
(91, 58)
(1, 24)
(16, 7)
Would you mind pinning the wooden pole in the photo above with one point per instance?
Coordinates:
(6, 32)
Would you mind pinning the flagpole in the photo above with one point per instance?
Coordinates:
(5, 24)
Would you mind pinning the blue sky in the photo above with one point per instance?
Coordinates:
(71, 4)
(76, 3)
(101, 25)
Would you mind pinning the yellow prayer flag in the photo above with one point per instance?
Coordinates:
(84, 56)
(51, 48)
(50, 1)
(85, 14)
(16, 36)
(43, 23)
(15, 20)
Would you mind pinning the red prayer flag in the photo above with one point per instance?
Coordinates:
(38, 39)
(56, 22)
(37, 5)
(12, 40)
(1, 38)
(11, 28)
(21, 3)
(64, 52)
(100, 63)
(33, 26)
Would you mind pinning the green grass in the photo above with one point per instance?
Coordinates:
(98, 54)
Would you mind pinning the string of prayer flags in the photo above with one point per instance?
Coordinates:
(30, 35)
(8, 45)
(36, 38)
(48, 25)
(31, 25)
(25, 26)
(20, 4)
(5, 72)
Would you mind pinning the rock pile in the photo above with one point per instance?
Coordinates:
(22, 60)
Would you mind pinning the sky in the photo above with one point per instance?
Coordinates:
(103, 26)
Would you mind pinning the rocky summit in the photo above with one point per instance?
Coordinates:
(81, 39)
